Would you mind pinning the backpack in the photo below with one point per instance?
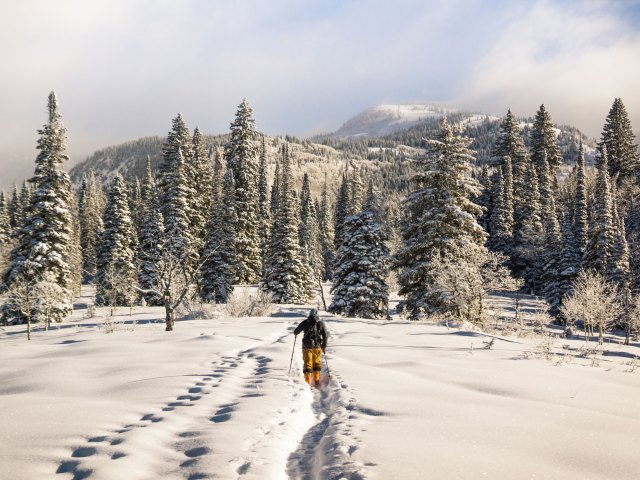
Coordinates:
(314, 334)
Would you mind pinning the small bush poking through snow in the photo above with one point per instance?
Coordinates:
(245, 304)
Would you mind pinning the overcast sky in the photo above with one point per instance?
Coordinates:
(123, 69)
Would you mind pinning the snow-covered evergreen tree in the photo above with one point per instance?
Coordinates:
(440, 225)
(285, 274)
(325, 228)
(551, 261)
(341, 210)
(618, 266)
(5, 224)
(150, 240)
(544, 143)
(570, 257)
(263, 201)
(43, 242)
(484, 200)
(601, 234)
(218, 257)
(360, 279)
(500, 228)
(580, 221)
(618, 137)
(241, 154)
(308, 234)
(531, 235)
(13, 208)
(116, 271)
(91, 205)
(357, 192)
(200, 203)
(174, 208)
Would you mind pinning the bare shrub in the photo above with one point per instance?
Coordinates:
(245, 304)
(593, 301)
(108, 324)
(196, 310)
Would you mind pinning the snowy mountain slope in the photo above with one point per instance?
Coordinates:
(214, 399)
(383, 119)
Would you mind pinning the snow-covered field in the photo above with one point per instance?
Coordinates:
(213, 399)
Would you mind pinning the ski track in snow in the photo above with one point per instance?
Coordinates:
(326, 449)
(182, 439)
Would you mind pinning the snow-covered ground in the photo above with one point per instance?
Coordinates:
(214, 399)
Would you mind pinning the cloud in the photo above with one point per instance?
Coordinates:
(575, 57)
(123, 69)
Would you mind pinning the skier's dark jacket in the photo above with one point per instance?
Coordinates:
(306, 326)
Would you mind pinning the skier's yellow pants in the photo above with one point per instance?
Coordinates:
(312, 358)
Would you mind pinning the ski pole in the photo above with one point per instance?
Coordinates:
(294, 349)
(326, 362)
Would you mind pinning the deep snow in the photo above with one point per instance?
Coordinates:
(213, 400)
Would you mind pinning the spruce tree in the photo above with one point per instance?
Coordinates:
(531, 236)
(116, 271)
(263, 201)
(325, 228)
(544, 143)
(285, 274)
(511, 144)
(341, 210)
(618, 266)
(5, 225)
(241, 154)
(43, 243)
(219, 254)
(601, 234)
(360, 279)
(151, 236)
(580, 221)
(440, 224)
(91, 205)
(357, 193)
(618, 137)
(201, 181)
(13, 209)
(551, 261)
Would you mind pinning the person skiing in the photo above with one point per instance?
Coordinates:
(314, 343)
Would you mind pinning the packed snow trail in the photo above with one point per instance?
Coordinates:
(325, 451)
(241, 419)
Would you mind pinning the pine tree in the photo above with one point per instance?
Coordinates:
(218, 264)
(511, 144)
(175, 184)
(570, 256)
(241, 154)
(116, 271)
(200, 203)
(500, 226)
(285, 275)
(357, 193)
(484, 200)
(341, 210)
(580, 221)
(174, 208)
(544, 143)
(151, 237)
(618, 137)
(360, 280)
(42, 250)
(263, 201)
(601, 234)
(275, 191)
(91, 205)
(439, 225)
(618, 266)
(531, 235)
(24, 201)
(13, 209)
(325, 228)
(551, 266)
(5, 224)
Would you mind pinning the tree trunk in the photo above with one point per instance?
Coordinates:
(28, 327)
(168, 317)
(600, 335)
